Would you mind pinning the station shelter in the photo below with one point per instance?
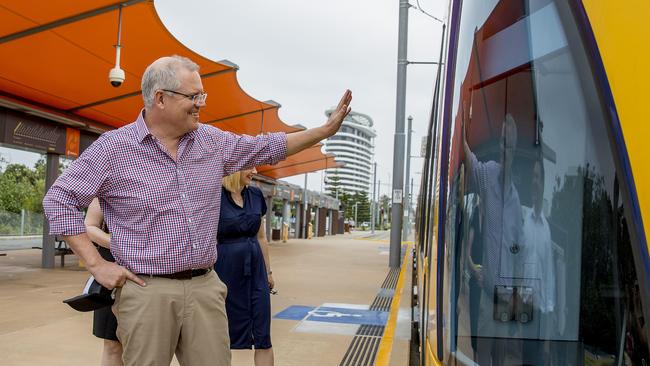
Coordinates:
(56, 98)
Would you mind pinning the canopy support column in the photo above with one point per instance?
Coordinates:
(298, 231)
(51, 173)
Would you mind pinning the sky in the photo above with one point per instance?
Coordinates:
(304, 54)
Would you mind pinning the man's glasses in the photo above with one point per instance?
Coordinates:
(198, 98)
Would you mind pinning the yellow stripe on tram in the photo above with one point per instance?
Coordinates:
(386, 344)
(431, 358)
(620, 31)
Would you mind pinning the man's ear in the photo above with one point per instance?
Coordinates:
(158, 100)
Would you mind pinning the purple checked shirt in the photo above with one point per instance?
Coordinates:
(162, 214)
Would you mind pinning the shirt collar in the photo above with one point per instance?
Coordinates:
(192, 134)
(537, 218)
(141, 129)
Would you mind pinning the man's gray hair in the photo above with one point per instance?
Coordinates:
(161, 74)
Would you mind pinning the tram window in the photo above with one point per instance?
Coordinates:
(538, 263)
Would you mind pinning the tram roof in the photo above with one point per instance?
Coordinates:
(57, 55)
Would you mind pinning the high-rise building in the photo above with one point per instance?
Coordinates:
(353, 145)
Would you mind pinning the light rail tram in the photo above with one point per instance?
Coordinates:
(530, 240)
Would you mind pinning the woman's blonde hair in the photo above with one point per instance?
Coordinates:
(232, 183)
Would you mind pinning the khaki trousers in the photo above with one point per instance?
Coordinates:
(168, 316)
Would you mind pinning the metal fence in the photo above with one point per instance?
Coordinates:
(24, 223)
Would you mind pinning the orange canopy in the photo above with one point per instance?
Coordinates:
(309, 160)
(56, 55)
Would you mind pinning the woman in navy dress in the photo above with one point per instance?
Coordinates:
(243, 265)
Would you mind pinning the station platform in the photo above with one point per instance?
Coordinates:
(333, 306)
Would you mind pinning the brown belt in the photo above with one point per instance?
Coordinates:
(183, 275)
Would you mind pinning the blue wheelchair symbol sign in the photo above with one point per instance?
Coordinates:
(333, 315)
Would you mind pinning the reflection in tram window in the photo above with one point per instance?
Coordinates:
(538, 266)
(537, 258)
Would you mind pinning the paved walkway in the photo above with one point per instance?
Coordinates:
(342, 272)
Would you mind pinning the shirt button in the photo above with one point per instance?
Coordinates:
(189, 220)
(183, 195)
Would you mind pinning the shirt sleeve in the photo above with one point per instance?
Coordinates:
(243, 151)
(74, 190)
(478, 176)
(257, 194)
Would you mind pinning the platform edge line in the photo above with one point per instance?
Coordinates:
(386, 344)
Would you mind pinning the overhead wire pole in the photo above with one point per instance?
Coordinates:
(374, 203)
(407, 192)
(397, 210)
(411, 198)
(380, 218)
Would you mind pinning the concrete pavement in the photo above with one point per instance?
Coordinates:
(345, 270)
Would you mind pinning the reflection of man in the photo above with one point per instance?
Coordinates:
(501, 231)
(502, 209)
(538, 269)
(158, 181)
(537, 255)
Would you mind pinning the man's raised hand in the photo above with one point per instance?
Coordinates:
(338, 115)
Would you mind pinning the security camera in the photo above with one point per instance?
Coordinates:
(116, 76)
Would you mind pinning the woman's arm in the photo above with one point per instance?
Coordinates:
(264, 245)
(94, 220)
